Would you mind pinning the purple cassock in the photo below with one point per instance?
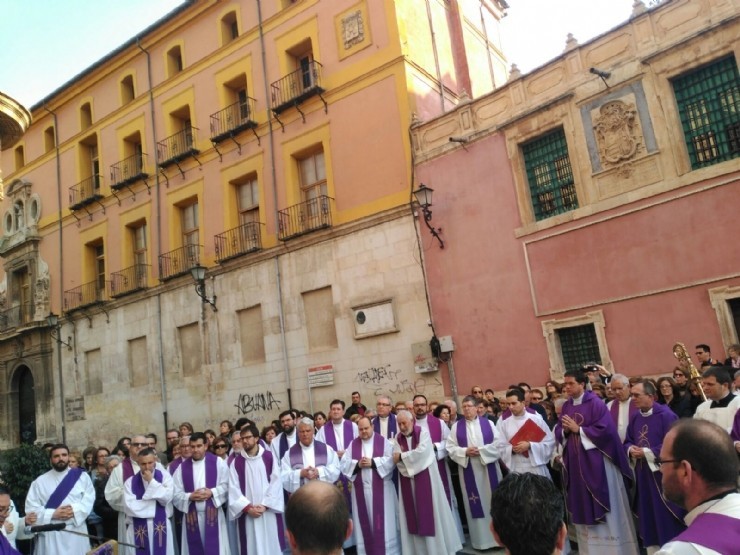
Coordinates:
(331, 440)
(587, 490)
(735, 433)
(658, 520)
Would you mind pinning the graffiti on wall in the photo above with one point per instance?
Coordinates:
(386, 380)
(247, 404)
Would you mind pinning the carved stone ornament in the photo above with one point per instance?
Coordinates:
(353, 29)
(618, 133)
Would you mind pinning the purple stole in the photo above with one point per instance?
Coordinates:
(435, 432)
(373, 534)
(713, 531)
(474, 500)
(283, 447)
(614, 411)
(128, 469)
(6, 548)
(296, 455)
(63, 488)
(735, 432)
(195, 545)
(419, 502)
(331, 440)
(231, 458)
(240, 465)
(141, 529)
(174, 465)
(392, 428)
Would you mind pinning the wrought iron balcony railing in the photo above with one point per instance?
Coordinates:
(232, 120)
(179, 261)
(127, 171)
(305, 217)
(296, 87)
(16, 316)
(238, 241)
(87, 294)
(177, 147)
(129, 280)
(85, 192)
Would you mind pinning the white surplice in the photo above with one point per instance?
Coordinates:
(275, 443)
(539, 452)
(181, 501)
(262, 532)
(81, 498)
(342, 441)
(114, 497)
(724, 417)
(384, 468)
(291, 478)
(446, 539)
(478, 528)
(155, 493)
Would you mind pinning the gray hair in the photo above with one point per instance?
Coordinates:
(110, 458)
(385, 397)
(405, 415)
(559, 402)
(737, 374)
(305, 421)
(451, 404)
(621, 378)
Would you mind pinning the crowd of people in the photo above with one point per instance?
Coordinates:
(635, 462)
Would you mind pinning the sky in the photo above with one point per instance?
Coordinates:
(44, 43)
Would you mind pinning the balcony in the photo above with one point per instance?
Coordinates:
(85, 295)
(232, 120)
(16, 316)
(179, 261)
(127, 171)
(176, 148)
(130, 280)
(85, 192)
(304, 218)
(297, 87)
(238, 241)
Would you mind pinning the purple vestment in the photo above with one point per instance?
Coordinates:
(195, 545)
(471, 487)
(63, 488)
(735, 433)
(587, 490)
(373, 534)
(713, 531)
(6, 548)
(659, 520)
(331, 440)
(392, 427)
(417, 501)
(141, 527)
(435, 432)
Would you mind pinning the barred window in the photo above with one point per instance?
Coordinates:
(549, 175)
(708, 101)
(579, 345)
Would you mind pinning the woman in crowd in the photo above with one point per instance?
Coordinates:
(599, 390)
(681, 377)
(549, 407)
(107, 514)
(98, 470)
(210, 437)
(553, 390)
(75, 459)
(226, 428)
(186, 429)
(443, 413)
(221, 447)
(319, 419)
(268, 434)
(88, 455)
(669, 395)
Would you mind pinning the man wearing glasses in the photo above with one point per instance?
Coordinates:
(255, 496)
(700, 467)
(114, 487)
(385, 423)
(659, 520)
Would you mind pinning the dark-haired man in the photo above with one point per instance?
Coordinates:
(62, 495)
(700, 467)
(721, 404)
(201, 488)
(356, 407)
(597, 472)
(285, 439)
(256, 496)
(318, 520)
(147, 503)
(704, 356)
(536, 526)
(658, 520)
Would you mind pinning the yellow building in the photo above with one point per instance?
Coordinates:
(266, 142)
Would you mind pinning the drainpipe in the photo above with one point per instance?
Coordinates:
(436, 57)
(273, 169)
(157, 185)
(61, 266)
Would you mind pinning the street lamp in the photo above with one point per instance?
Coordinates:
(53, 321)
(423, 196)
(199, 275)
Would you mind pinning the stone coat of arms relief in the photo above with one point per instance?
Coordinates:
(618, 136)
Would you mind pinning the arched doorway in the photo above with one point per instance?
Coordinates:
(26, 405)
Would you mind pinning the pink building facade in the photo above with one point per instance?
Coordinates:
(591, 217)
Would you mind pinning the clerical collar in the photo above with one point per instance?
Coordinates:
(341, 423)
(646, 413)
(579, 400)
(719, 496)
(724, 402)
(306, 446)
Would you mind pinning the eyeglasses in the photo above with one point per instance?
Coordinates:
(658, 461)
(139, 445)
(219, 446)
(4, 510)
(383, 404)
(477, 391)
(247, 437)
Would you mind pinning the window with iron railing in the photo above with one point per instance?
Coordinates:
(579, 345)
(549, 175)
(708, 100)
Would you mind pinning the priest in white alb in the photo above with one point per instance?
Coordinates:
(425, 518)
(62, 495)
(471, 445)
(201, 489)
(256, 496)
(524, 440)
(368, 464)
(308, 460)
(147, 503)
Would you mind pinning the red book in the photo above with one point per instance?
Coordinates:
(530, 432)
